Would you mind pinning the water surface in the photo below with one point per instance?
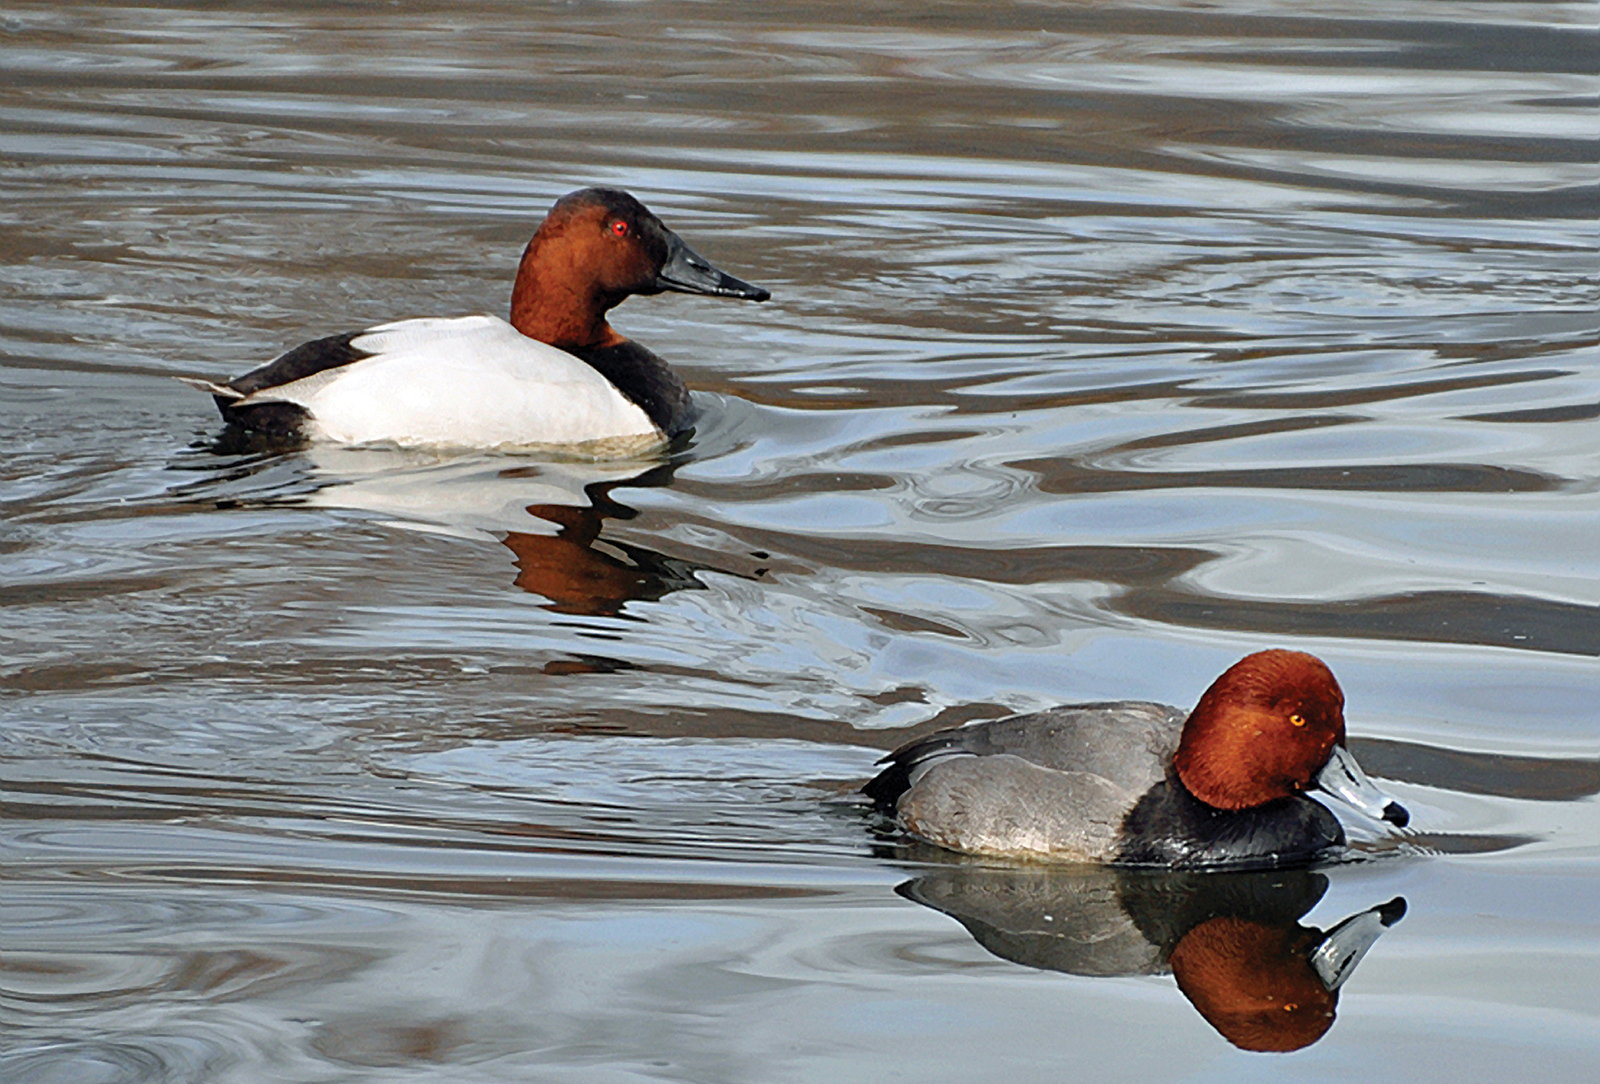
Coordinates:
(1108, 343)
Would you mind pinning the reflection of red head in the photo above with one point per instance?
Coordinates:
(1254, 983)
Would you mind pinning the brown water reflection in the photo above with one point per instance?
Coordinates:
(576, 576)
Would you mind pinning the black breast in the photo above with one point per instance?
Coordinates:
(1171, 827)
(646, 380)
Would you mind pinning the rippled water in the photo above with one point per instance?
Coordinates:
(1108, 343)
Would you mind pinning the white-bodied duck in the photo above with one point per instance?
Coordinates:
(556, 374)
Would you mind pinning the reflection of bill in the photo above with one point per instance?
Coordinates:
(1233, 941)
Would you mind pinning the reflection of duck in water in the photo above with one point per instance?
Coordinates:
(1142, 784)
(549, 512)
(1232, 941)
(577, 577)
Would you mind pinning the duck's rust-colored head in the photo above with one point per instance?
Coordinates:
(1270, 727)
(596, 247)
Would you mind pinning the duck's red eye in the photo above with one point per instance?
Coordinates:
(619, 228)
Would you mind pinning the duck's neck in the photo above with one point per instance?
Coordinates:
(550, 308)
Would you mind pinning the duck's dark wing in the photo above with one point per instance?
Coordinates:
(304, 360)
(277, 418)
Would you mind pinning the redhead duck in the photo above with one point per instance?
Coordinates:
(556, 374)
(1135, 783)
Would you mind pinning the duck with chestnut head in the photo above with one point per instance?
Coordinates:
(1143, 784)
(556, 374)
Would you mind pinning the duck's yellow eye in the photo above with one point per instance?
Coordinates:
(1297, 719)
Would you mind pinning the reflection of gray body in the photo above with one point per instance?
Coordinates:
(1068, 921)
(1094, 920)
(1089, 783)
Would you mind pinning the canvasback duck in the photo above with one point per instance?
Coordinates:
(556, 374)
(1136, 783)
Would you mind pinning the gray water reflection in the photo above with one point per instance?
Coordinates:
(1108, 343)
(1233, 942)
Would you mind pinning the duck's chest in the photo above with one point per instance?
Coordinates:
(1170, 827)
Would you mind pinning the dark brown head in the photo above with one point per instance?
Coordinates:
(597, 246)
(1263, 730)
